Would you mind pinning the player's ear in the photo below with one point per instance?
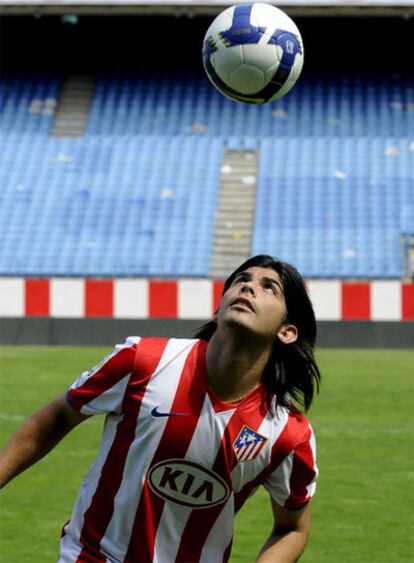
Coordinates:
(288, 333)
(214, 317)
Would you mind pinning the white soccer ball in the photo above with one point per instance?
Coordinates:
(253, 53)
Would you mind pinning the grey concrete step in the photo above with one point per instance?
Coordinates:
(72, 112)
(234, 261)
(233, 238)
(237, 197)
(226, 255)
(242, 211)
(226, 229)
(238, 184)
(233, 230)
(232, 244)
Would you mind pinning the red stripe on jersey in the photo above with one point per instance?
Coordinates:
(99, 513)
(302, 474)
(106, 376)
(408, 302)
(189, 398)
(99, 300)
(37, 298)
(226, 555)
(163, 299)
(191, 544)
(356, 301)
(290, 435)
(87, 556)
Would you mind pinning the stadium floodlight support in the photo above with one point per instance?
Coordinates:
(319, 8)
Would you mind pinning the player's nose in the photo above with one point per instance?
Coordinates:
(248, 287)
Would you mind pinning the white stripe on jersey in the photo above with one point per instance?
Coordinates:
(117, 536)
(278, 484)
(220, 534)
(174, 518)
(245, 472)
(109, 401)
(312, 486)
(87, 490)
(69, 550)
(211, 427)
(171, 526)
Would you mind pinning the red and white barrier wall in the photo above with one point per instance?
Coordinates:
(333, 300)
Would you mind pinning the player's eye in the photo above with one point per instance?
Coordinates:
(241, 278)
(271, 288)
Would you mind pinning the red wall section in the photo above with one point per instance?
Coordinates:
(356, 301)
(217, 291)
(408, 302)
(37, 298)
(163, 300)
(99, 300)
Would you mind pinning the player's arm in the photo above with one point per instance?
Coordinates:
(288, 539)
(36, 437)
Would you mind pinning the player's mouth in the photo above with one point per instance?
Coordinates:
(243, 303)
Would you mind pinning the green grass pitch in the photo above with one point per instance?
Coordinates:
(363, 420)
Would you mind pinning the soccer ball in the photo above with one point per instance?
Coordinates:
(253, 53)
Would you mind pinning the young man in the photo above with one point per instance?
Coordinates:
(193, 427)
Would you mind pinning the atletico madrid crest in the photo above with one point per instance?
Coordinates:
(248, 444)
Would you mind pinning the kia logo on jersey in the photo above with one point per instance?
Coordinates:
(187, 483)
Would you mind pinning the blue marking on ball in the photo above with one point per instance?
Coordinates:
(242, 31)
(289, 44)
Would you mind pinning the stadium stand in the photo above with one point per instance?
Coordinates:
(137, 193)
(324, 106)
(327, 215)
(117, 206)
(334, 200)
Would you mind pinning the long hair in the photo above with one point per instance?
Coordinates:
(292, 371)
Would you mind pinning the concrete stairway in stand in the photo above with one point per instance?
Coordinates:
(73, 107)
(234, 222)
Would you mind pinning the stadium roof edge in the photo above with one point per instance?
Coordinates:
(189, 8)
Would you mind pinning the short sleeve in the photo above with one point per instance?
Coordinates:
(293, 483)
(102, 388)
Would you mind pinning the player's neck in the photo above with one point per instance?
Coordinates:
(234, 368)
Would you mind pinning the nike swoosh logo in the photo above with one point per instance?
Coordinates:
(155, 412)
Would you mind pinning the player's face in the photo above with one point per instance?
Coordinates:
(256, 303)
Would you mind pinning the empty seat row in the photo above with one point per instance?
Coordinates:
(65, 216)
(336, 213)
(130, 105)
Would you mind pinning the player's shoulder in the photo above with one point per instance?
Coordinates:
(297, 427)
(157, 346)
(148, 341)
(145, 355)
(297, 415)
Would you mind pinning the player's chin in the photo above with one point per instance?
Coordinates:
(239, 320)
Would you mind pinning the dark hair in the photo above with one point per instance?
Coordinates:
(292, 369)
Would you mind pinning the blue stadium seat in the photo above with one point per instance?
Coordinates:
(327, 214)
(137, 195)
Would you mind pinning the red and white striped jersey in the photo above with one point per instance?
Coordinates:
(176, 463)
